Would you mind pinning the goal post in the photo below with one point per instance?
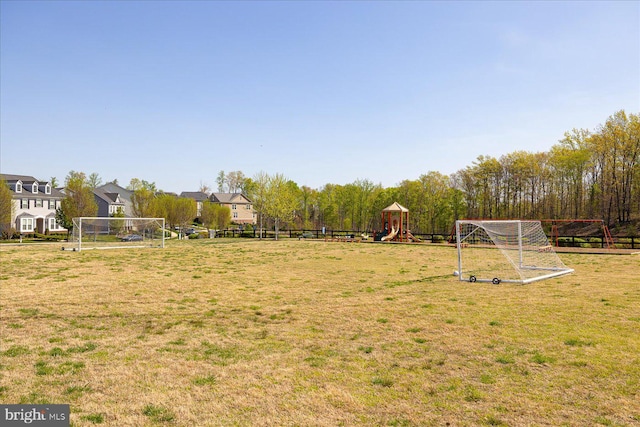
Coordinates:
(114, 232)
(511, 251)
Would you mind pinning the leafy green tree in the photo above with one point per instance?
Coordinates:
(221, 180)
(365, 195)
(621, 137)
(327, 208)
(163, 205)
(259, 196)
(215, 216)
(78, 200)
(136, 184)
(435, 188)
(185, 211)
(119, 225)
(307, 208)
(568, 162)
(94, 180)
(143, 203)
(281, 200)
(410, 194)
(6, 209)
(177, 211)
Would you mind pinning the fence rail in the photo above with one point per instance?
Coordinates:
(597, 241)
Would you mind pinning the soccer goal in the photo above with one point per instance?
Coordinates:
(112, 232)
(511, 251)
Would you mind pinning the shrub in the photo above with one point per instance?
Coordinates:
(576, 242)
(9, 233)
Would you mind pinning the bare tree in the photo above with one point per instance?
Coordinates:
(204, 188)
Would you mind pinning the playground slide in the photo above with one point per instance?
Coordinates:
(391, 234)
(412, 237)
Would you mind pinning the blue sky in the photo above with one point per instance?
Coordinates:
(321, 92)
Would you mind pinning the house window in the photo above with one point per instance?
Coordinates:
(248, 207)
(34, 188)
(38, 203)
(18, 187)
(235, 214)
(233, 207)
(26, 224)
(52, 204)
(24, 203)
(47, 189)
(52, 224)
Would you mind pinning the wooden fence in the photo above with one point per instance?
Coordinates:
(631, 242)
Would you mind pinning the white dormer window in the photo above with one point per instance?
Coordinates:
(47, 188)
(19, 187)
(34, 188)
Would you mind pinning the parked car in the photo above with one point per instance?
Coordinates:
(132, 238)
(190, 231)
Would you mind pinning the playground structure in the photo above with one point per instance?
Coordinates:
(607, 239)
(395, 220)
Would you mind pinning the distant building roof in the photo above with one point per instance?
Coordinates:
(111, 198)
(24, 178)
(395, 207)
(111, 187)
(229, 198)
(198, 196)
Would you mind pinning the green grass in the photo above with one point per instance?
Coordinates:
(94, 418)
(158, 414)
(240, 332)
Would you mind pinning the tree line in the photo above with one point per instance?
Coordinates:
(588, 174)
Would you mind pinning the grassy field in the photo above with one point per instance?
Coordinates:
(307, 333)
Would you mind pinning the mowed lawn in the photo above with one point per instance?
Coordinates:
(312, 333)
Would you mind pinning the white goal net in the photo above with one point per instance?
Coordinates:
(511, 251)
(109, 233)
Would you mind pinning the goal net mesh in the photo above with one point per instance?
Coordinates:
(112, 232)
(509, 251)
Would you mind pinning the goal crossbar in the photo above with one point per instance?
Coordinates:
(115, 232)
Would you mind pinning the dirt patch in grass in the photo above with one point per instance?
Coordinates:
(316, 333)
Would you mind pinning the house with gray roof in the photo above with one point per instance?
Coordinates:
(123, 194)
(241, 207)
(34, 204)
(109, 204)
